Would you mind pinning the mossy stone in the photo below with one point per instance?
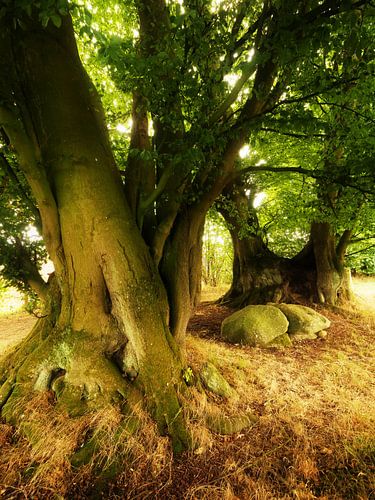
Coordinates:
(302, 319)
(230, 425)
(281, 341)
(256, 326)
(214, 381)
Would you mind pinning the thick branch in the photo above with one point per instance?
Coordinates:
(38, 182)
(231, 98)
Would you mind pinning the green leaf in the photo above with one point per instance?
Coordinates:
(57, 21)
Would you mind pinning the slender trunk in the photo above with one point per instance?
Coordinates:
(21, 270)
(181, 269)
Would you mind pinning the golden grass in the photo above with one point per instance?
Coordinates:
(211, 293)
(314, 437)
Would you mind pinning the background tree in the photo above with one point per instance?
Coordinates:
(343, 181)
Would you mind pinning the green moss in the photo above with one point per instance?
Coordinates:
(256, 326)
(214, 381)
(6, 390)
(85, 454)
(281, 341)
(230, 425)
(71, 400)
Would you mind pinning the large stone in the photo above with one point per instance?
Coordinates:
(281, 341)
(257, 326)
(303, 321)
(214, 381)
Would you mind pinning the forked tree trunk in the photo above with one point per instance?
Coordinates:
(113, 303)
(318, 273)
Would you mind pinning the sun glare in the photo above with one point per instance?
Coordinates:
(259, 199)
(244, 151)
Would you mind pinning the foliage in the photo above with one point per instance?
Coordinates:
(20, 243)
(217, 252)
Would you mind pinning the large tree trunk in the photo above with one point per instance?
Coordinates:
(113, 304)
(257, 273)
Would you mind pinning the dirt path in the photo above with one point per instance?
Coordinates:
(364, 288)
(13, 328)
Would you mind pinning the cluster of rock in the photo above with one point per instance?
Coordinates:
(273, 325)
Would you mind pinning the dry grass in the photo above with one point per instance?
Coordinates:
(36, 461)
(210, 293)
(13, 328)
(314, 437)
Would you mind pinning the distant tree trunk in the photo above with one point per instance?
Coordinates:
(257, 272)
(181, 269)
(113, 303)
(317, 273)
(332, 280)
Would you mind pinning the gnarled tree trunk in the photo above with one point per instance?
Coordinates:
(257, 272)
(110, 336)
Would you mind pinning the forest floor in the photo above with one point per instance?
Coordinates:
(314, 437)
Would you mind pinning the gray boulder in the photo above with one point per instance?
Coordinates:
(257, 326)
(304, 322)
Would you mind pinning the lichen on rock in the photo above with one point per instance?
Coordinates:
(255, 325)
(303, 320)
(214, 381)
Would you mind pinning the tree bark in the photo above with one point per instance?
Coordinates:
(181, 270)
(258, 276)
(332, 278)
(257, 272)
(113, 303)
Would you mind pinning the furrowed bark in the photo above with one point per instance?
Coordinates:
(112, 300)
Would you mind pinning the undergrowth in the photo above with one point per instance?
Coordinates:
(314, 437)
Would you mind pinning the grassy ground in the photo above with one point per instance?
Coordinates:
(314, 437)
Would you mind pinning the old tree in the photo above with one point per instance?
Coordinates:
(125, 240)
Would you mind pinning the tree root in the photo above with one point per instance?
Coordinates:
(230, 425)
(74, 368)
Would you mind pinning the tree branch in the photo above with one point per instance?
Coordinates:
(230, 99)
(292, 134)
(303, 171)
(347, 108)
(361, 251)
